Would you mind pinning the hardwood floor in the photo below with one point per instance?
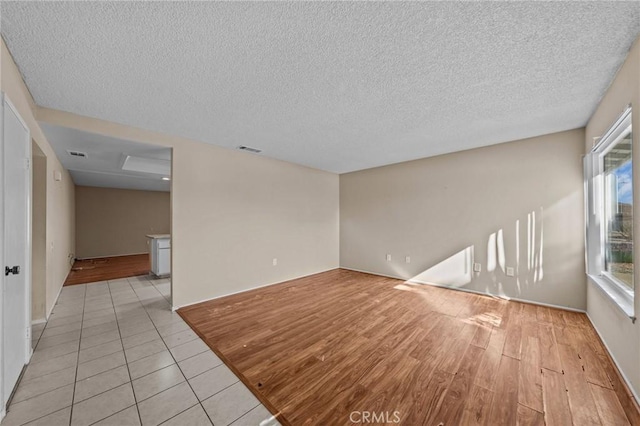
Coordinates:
(108, 268)
(318, 349)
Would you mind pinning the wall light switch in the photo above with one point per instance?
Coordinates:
(388, 258)
(477, 267)
(510, 272)
(407, 259)
(275, 261)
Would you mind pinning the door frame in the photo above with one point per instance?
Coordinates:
(4, 99)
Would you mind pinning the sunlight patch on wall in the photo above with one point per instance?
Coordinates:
(456, 271)
(491, 253)
(505, 264)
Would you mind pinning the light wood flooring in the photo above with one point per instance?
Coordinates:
(317, 349)
(108, 268)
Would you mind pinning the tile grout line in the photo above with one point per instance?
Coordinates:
(212, 368)
(135, 399)
(41, 417)
(100, 393)
(176, 362)
(117, 412)
(69, 341)
(75, 377)
(172, 386)
(58, 326)
(251, 409)
(49, 359)
(100, 357)
(221, 390)
(183, 411)
(40, 394)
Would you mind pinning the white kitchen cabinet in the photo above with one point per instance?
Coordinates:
(160, 252)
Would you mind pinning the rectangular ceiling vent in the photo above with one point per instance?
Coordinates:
(154, 166)
(77, 154)
(248, 148)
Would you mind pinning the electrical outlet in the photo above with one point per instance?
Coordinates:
(510, 271)
(275, 261)
(388, 258)
(407, 259)
(477, 267)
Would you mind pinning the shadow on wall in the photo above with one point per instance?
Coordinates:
(514, 260)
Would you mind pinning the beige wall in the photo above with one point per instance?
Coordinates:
(517, 204)
(114, 222)
(621, 336)
(39, 235)
(60, 194)
(234, 212)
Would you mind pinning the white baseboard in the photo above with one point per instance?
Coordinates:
(38, 321)
(468, 290)
(54, 302)
(175, 308)
(111, 255)
(626, 380)
(548, 305)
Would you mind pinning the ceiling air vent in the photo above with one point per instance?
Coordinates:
(78, 154)
(155, 166)
(248, 148)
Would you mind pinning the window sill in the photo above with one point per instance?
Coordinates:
(620, 298)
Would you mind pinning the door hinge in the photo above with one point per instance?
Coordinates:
(27, 163)
(28, 333)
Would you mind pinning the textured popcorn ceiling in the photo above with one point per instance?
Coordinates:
(337, 86)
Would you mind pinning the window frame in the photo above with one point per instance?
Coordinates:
(612, 286)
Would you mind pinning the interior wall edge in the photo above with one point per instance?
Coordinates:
(50, 309)
(620, 371)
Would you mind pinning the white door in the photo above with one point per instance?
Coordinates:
(16, 269)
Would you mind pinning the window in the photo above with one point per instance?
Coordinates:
(618, 211)
(609, 198)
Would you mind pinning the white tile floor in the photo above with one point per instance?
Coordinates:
(113, 353)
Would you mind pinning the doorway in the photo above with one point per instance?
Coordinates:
(123, 209)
